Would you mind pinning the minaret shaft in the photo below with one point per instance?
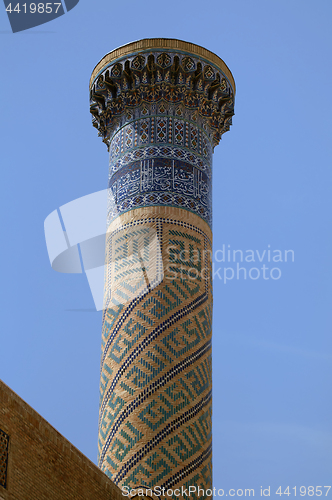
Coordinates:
(161, 106)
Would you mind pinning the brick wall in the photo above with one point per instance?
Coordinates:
(38, 463)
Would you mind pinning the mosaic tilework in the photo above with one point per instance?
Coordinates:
(161, 182)
(160, 113)
(155, 406)
(161, 152)
(134, 263)
(161, 130)
(4, 441)
(159, 436)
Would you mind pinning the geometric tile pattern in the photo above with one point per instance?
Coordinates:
(163, 130)
(4, 442)
(134, 264)
(155, 401)
(159, 436)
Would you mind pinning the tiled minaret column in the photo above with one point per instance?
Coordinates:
(161, 106)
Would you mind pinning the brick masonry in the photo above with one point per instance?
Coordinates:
(42, 464)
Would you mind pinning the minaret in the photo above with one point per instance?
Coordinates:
(161, 106)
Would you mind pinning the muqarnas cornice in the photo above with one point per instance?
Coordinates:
(151, 71)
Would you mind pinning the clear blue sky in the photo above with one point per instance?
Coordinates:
(272, 348)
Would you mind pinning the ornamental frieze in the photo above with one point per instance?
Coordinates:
(133, 82)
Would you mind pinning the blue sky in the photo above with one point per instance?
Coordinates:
(272, 347)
